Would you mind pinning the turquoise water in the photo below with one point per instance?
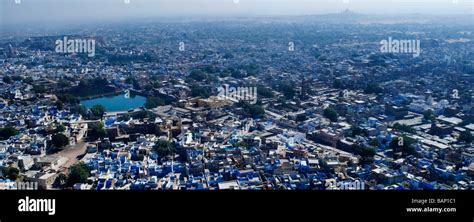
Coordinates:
(116, 103)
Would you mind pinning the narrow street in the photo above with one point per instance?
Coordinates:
(71, 152)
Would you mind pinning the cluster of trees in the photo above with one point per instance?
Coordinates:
(67, 98)
(200, 91)
(164, 148)
(142, 114)
(231, 72)
(466, 137)
(337, 84)
(60, 128)
(356, 131)
(91, 86)
(79, 109)
(97, 111)
(206, 74)
(373, 88)
(62, 83)
(39, 89)
(468, 119)
(242, 144)
(403, 144)
(92, 82)
(287, 90)
(8, 79)
(403, 128)
(11, 173)
(375, 142)
(428, 115)
(59, 105)
(331, 114)
(7, 131)
(59, 140)
(366, 152)
(241, 71)
(133, 82)
(265, 92)
(250, 69)
(301, 117)
(78, 173)
(152, 102)
(252, 110)
(97, 131)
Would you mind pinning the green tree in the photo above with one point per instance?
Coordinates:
(374, 142)
(355, 131)
(79, 109)
(465, 136)
(373, 88)
(59, 140)
(301, 117)
(197, 75)
(124, 117)
(152, 102)
(17, 78)
(337, 83)
(164, 148)
(148, 87)
(403, 128)
(60, 181)
(59, 105)
(62, 83)
(78, 173)
(97, 131)
(39, 89)
(98, 111)
(403, 144)
(199, 91)
(7, 79)
(366, 152)
(242, 144)
(367, 160)
(429, 115)
(142, 114)
(264, 92)
(60, 128)
(331, 114)
(68, 98)
(13, 173)
(7, 131)
(287, 90)
(252, 110)
(28, 80)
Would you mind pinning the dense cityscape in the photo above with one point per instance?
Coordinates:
(299, 102)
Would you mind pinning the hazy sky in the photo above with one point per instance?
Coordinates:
(100, 10)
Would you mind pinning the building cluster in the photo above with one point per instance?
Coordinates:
(332, 110)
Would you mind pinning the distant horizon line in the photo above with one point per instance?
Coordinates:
(232, 16)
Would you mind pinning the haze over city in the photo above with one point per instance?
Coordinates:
(57, 11)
